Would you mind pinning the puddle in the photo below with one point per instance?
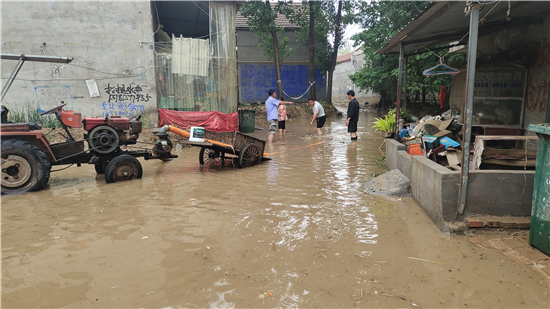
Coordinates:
(299, 226)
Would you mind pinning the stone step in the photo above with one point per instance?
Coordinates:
(505, 222)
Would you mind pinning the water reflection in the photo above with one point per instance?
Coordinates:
(197, 218)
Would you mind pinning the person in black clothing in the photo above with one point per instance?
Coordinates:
(353, 115)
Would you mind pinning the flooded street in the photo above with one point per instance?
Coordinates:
(295, 231)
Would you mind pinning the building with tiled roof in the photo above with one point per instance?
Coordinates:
(257, 73)
(281, 21)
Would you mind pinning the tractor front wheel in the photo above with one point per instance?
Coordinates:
(24, 167)
(123, 167)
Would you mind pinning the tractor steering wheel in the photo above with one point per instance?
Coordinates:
(52, 110)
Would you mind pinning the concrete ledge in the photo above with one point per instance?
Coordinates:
(392, 147)
(436, 188)
(403, 163)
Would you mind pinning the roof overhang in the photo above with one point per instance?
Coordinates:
(443, 22)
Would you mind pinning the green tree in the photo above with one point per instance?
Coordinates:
(261, 20)
(381, 21)
(312, 33)
(337, 28)
(328, 19)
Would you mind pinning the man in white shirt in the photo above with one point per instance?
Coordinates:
(318, 115)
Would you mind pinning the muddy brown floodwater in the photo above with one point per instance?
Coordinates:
(296, 231)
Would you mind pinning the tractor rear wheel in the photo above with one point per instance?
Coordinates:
(24, 167)
(123, 167)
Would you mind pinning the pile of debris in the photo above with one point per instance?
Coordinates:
(435, 137)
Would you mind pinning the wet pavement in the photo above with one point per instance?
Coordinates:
(295, 231)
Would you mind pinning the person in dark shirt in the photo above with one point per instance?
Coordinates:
(353, 115)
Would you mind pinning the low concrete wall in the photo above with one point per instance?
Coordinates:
(436, 188)
(432, 186)
(500, 192)
(404, 163)
(392, 147)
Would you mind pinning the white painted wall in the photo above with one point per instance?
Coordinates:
(341, 83)
(104, 39)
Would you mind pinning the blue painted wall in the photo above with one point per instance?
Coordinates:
(256, 79)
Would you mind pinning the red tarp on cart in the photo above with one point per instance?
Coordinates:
(212, 121)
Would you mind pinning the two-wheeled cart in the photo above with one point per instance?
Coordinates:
(218, 147)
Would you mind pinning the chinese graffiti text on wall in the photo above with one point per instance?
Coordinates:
(123, 109)
(120, 93)
(537, 95)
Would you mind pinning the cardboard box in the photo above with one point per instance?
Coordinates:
(430, 141)
(443, 133)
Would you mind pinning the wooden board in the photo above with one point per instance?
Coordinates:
(510, 154)
(530, 163)
(506, 137)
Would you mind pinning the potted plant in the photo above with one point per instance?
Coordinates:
(385, 125)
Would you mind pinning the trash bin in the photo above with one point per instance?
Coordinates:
(539, 234)
(246, 120)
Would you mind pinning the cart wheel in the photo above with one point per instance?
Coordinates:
(123, 167)
(24, 167)
(209, 156)
(249, 155)
(100, 166)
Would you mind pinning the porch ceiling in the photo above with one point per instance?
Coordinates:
(445, 22)
(186, 18)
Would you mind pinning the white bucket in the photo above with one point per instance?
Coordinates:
(197, 134)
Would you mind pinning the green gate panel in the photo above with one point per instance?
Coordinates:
(539, 234)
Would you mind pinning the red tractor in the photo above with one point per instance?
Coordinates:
(27, 155)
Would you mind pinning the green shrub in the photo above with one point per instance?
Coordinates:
(403, 115)
(386, 124)
(31, 114)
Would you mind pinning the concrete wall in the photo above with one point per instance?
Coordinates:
(257, 74)
(104, 40)
(534, 38)
(436, 188)
(341, 82)
(392, 147)
(248, 50)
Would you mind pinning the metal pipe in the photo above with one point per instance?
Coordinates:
(468, 107)
(11, 78)
(186, 134)
(399, 85)
(405, 83)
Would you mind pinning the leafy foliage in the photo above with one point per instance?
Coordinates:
(31, 114)
(386, 124)
(381, 21)
(403, 114)
(261, 20)
(298, 15)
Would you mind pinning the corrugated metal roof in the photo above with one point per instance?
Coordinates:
(445, 22)
(281, 21)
